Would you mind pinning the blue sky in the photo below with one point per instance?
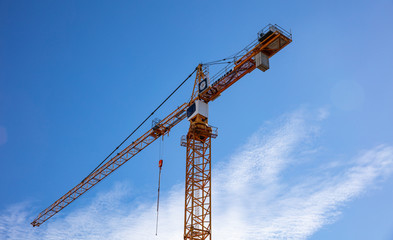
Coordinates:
(314, 131)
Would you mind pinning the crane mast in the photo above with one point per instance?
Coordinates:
(197, 211)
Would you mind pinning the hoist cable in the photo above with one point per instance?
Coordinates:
(160, 162)
(158, 199)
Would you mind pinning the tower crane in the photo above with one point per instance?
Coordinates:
(197, 211)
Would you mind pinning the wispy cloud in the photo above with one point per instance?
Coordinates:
(262, 192)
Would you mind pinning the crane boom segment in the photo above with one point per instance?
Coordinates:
(122, 157)
(270, 45)
(270, 41)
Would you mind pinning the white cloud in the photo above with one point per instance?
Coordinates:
(261, 192)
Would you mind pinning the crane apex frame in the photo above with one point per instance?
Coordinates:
(197, 212)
